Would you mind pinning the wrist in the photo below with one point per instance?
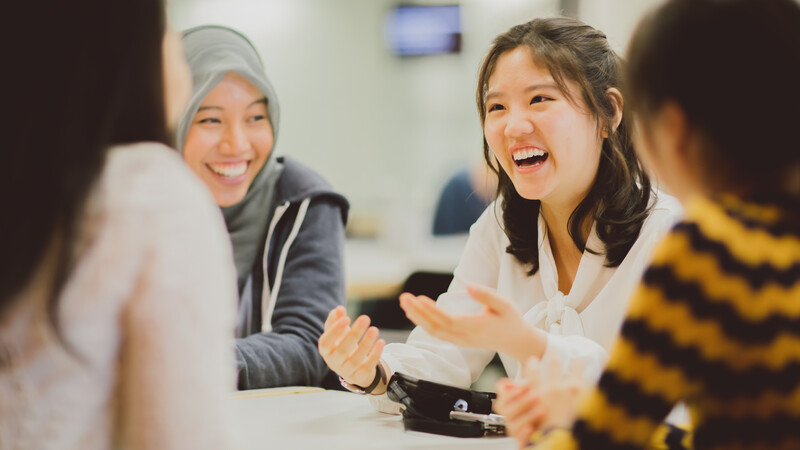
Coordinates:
(376, 387)
(532, 343)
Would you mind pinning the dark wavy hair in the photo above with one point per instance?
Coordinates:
(86, 76)
(618, 199)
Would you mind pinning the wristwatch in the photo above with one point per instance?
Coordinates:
(380, 378)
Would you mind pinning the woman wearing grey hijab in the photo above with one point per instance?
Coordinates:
(285, 222)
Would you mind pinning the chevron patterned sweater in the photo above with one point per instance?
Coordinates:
(715, 323)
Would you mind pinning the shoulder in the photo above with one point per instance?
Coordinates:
(298, 182)
(488, 229)
(151, 178)
(665, 212)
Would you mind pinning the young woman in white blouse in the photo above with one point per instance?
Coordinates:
(565, 242)
(116, 279)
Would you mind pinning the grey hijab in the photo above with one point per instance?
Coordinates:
(212, 51)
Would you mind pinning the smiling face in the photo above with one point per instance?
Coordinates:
(549, 147)
(230, 139)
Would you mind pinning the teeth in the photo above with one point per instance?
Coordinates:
(229, 170)
(524, 154)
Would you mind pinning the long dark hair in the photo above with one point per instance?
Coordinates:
(84, 76)
(618, 199)
(733, 68)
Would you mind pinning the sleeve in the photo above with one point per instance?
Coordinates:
(571, 348)
(175, 372)
(313, 284)
(644, 378)
(426, 357)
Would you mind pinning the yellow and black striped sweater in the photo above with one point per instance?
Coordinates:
(715, 323)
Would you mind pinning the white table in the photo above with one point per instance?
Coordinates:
(333, 420)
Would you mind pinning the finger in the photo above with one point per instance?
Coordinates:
(523, 436)
(425, 308)
(521, 407)
(490, 299)
(503, 388)
(523, 430)
(371, 362)
(438, 327)
(504, 398)
(537, 417)
(355, 360)
(348, 343)
(333, 315)
(417, 313)
(328, 339)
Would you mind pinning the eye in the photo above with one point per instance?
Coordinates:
(258, 117)
(496, 107)
(209, 120)
(539, 99)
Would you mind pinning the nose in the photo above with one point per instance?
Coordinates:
(519, 124)
(234, 140)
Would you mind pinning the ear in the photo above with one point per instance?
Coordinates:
(615, 97)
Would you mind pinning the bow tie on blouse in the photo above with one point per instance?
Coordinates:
(555, 316)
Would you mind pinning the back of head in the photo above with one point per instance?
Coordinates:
(84, 76)
(733, 67)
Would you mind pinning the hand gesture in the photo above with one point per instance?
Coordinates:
(499, 327)
(544, 398)
(351, 351)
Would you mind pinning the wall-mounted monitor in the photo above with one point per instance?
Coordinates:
(424, 29)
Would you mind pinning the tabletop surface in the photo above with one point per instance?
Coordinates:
(309, 418)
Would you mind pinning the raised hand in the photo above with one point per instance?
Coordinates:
(499, 327)
(351, 351)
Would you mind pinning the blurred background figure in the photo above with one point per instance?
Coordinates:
(467, 193)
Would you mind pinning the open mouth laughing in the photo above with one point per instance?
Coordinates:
(529, 157)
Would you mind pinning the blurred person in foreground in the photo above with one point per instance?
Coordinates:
(113, 253)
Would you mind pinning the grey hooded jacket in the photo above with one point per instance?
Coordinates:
(287, 234)
(304, 275)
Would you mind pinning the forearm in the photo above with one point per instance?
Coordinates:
(275, 359)
(529, 342)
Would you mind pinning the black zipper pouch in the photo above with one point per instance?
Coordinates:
(428, 406)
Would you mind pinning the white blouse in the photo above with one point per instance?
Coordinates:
(582, 324)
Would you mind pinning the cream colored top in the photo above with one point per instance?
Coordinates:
(579, 325)
(149, 308)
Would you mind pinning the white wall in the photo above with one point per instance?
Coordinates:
(385, 131)
(616, 18)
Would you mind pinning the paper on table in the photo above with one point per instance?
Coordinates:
(274, 392)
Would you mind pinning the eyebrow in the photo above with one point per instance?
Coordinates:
(255, 102)
(532, 87)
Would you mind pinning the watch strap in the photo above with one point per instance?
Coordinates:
(380, 377)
